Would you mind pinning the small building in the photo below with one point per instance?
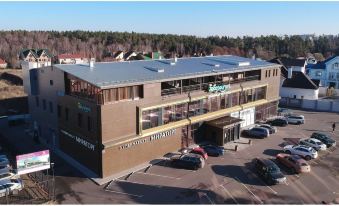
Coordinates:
(327, 72)
(3, 64)
(71, 59)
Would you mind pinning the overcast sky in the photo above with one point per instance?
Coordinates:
(190, 18)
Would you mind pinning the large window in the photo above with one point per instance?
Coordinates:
(171, 113)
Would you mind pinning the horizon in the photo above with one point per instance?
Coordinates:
(200, 19)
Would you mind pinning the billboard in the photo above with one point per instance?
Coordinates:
(32, 162)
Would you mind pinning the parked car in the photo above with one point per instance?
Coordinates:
(296, 119)
(326, 139)
(294, 162)
(314, 143)
(7, 175)
(214, 151)
(188, 161)
(200, 151)
(10, 186)
(4, 162)
(258, 132)
(284, 112)
(4, 169)
(270, 128)
(269, 171)
(307, 153)
(277, 122)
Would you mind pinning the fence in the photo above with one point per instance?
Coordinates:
(326, 105)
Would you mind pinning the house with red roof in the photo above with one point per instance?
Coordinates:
(71, 59)
(3, 64)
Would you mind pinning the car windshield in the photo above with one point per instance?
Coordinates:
(274, 169)
(318, 143)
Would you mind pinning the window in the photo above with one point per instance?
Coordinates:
(269, 73)
(66, 114)
(44, 104)
(51, 107)
(37, 101)
(294, 96)
(51, 82)
(89, 123)
(318, 73)
(266, 72)
(59, 111)
(79, 119)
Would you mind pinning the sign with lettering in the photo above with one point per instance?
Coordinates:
(218, 88)
(79, 140)
(83, 107)
(153, 137)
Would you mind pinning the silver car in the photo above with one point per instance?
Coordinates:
(314, 143)
(307, 153)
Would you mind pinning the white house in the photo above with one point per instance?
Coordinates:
(71, 59)
(3, 64)
(119, 56)
(327, 72)
(298, 65)
(36, 57)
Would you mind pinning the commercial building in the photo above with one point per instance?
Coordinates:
(111, 117)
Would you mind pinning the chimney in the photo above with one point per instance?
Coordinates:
(290, 71)
(91, 63)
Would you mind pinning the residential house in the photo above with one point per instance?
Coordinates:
(295, 84)
(71, 59)
(119, 56)
(129, 54)
(298, 64)
(3, 64)
(327, 72)
(36, 57)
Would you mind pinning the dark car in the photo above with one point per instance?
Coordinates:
(214, 151)
(188, 161)
(324, 138)
(278, 122)
(270, 128)
(269, 171)
(256, 132)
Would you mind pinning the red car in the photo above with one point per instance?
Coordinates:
(200, 151)
(294, 162)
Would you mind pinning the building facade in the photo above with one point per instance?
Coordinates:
(111, 117)
(327, 72)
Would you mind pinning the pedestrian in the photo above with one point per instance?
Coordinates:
(333, 126)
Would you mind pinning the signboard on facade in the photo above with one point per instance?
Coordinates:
(83, 107)
(79, 140)
(218, 88)
(32, 162)
(153, 137)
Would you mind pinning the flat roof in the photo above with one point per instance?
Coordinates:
(114, 74)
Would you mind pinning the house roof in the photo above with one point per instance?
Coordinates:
(320, 65)
(117, 54)
(25, 53)
(70, 56)
(2, 61)
(284, 70)
(114, 74)
(35, 52)
(299, 80)
(128, 54)
(288, 62)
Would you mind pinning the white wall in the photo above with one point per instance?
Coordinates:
(306, 93)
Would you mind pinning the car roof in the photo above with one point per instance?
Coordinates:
(267, 162)
(316, 140)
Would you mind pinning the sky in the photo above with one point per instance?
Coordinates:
(187, 18)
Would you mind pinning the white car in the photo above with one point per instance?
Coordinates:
(4, 162)
(9, 186)
(307, 153)
(4, 169)
(296, 119)
(311, 142)
(7, 175)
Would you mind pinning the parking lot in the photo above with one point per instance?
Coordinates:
(229, 179)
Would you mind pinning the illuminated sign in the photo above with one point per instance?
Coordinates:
(83, 107)
(154, 137)
(79, 140)
(218, 88)
(33, 162)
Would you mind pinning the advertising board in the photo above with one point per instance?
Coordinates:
(33, 162)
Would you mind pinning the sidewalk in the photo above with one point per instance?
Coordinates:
(241, 143)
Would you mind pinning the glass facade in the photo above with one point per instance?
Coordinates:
(172, 113)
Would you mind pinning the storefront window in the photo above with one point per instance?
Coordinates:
(235, 99)
(195, 108)
(223, 100)
(151, 118)
(168, 114)
(180, 111)
(260, 93)
(214, 103)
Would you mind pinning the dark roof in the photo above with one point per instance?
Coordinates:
(25, 52)
(320, 65)
(316, 81)
(299, 80)
(117, 53)
(39, 52)
(128, 54)
(36, 52)
(288, 62)
(284, 70)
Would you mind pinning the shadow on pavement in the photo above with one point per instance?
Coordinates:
(294, 141)
(272, 152)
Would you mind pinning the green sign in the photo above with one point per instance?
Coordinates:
(83, 107)
(218, 88)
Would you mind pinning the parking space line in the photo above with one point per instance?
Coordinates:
(123, 193)
(261, 202)
(209, 199)
(234, 200)
(152, 174)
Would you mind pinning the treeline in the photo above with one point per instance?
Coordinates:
(102, 45)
